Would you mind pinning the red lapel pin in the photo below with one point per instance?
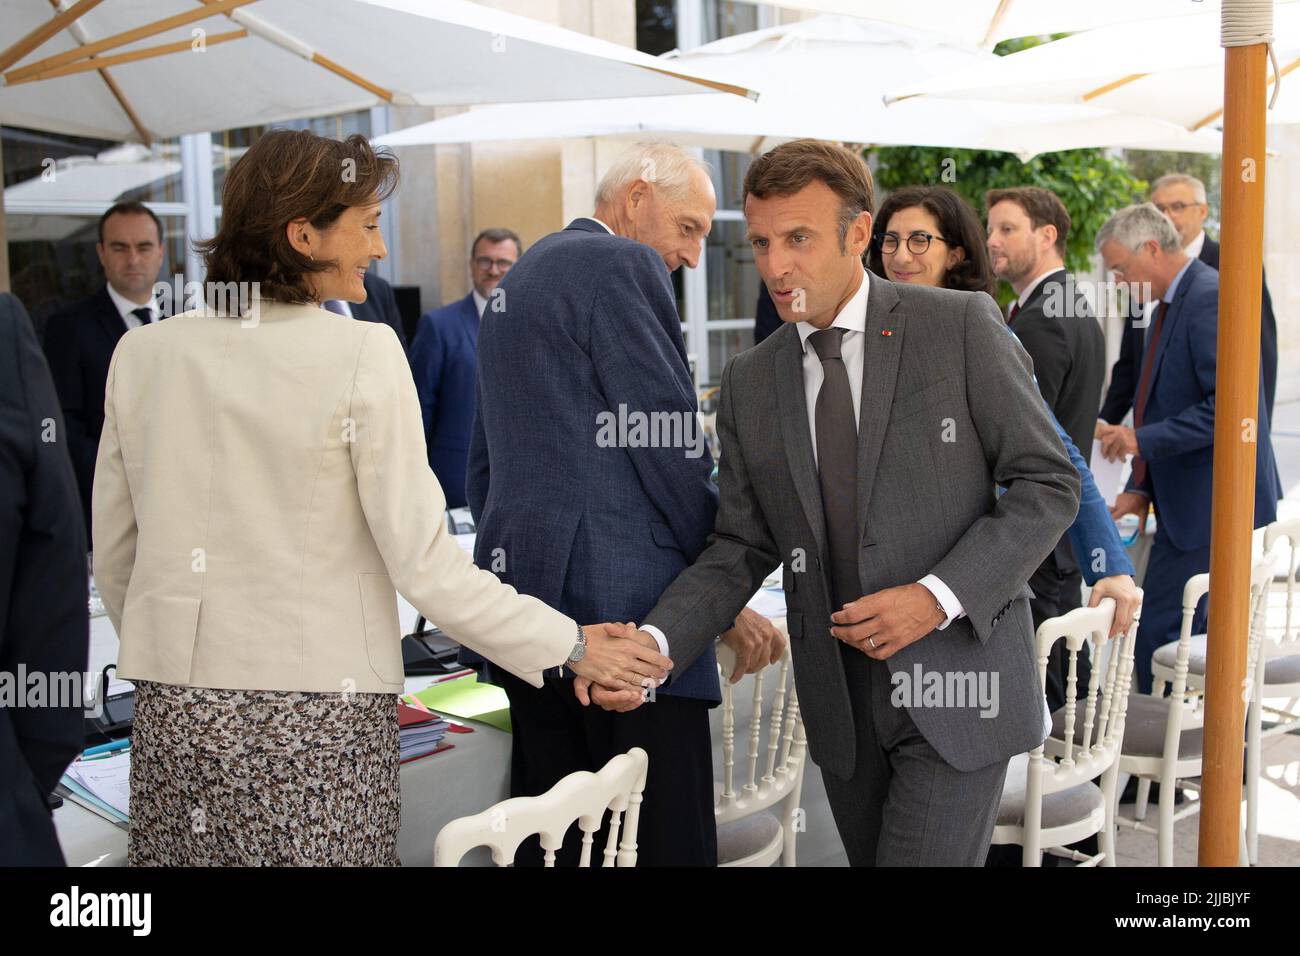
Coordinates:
(886, 332)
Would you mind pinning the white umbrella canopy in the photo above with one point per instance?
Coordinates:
(77, 184)
(221, 64)
(801, 70)
(1169, 69)
(986, 22)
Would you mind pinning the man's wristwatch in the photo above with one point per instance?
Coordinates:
(580, 648)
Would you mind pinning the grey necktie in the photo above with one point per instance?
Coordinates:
(333, 305)
(837, 465)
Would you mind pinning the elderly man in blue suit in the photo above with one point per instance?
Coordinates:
(589, 481)
(444, 358)
(1173, 417)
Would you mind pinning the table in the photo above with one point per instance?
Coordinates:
(436, 789)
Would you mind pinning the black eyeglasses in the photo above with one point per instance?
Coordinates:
(483, 264)
(918, 243)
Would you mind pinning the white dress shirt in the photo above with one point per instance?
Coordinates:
(480, 302)
(126, 308)
(853, 319)
(1194, 247)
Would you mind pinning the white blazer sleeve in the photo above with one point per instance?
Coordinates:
(405, 509)
(112, 513)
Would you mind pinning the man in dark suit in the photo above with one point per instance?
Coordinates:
(444, 358)
(43, 613)
(1182, 199)
(861, 447)
(1173, 415)
(79, 341)
(589, 482)
(1027, 232)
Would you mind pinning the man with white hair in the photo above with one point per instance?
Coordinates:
(589, 482)
(1172, 438)
(1182, 199)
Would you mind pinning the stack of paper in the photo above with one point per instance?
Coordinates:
(468, 698)
(101, 783)
(420, 732)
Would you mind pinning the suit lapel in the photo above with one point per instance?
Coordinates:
(794, 431)
(1172, 318)
(470, 320)
(881, 352)
(110, 320)
(1040, 291)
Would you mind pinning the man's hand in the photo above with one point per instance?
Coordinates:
(621, 657)
(756, 641)
(1099, 428)
(1130, 503)
(1124, 590)
(620, 701)
(1116, 441)
(882, 624)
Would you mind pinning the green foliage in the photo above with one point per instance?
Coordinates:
(1150, 164)
(1091, 184)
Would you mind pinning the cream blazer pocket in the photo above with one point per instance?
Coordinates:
(383, 630)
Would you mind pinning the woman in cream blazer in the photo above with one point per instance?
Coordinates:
(261, 491)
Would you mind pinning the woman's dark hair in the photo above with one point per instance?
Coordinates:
(288, 175)
(959, 224)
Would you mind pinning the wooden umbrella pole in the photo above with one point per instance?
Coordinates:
(1235, 435)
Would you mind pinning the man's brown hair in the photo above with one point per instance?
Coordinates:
(1041, 206)
(790, 167)
(289, 175)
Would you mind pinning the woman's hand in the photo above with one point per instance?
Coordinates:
(619, 656)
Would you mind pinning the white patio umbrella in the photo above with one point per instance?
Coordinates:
(822, 78)
(1169, 69)
(986, 22)
(148, 69)
(54, 205)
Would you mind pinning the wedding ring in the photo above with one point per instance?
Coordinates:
(872, 642)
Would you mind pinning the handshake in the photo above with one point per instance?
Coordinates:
(622, 664)
(619, 666)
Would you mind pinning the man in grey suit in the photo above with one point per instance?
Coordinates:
(862, 444)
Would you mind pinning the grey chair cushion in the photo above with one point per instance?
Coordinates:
(746, 836)
(1167, 655)
(1144, 728)
(1059, 809)
(1282, 670)
(1277, 670)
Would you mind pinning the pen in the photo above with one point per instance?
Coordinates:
(107, 748)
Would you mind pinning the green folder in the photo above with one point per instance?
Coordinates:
(465, 697)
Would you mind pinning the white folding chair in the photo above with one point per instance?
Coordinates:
(1051, 797)
(1165, 736)
(1276, 669)
(758, 824)
(581, 796)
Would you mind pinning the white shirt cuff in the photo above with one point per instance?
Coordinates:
(947, 600)
(662, 641)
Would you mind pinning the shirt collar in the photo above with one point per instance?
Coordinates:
(1038, 280)
(602, 225)
(1194, 247)
(853, 317)
(1173, 286)
(480, 302)
(125, 306)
